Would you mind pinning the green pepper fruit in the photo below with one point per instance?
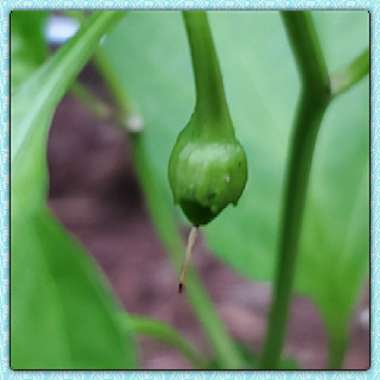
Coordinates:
(207, 171)
(208, 166)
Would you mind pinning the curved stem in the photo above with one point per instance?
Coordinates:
(345, 78)
(210, 97)
(312, 105)
(166, 334)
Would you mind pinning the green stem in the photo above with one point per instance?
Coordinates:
(344, 79)
(166, 334)
(211, 102)
(313, 102)
(98, 107)
(164, 222)
(113, 85)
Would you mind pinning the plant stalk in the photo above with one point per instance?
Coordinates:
(314, 99)
(211, 101)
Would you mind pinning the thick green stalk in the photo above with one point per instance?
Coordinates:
(317, 92)
(314, 99)
(211, 104)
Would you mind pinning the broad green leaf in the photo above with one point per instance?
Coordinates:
(262, 89)
(62, 314)
(28, 46)
(32, 108)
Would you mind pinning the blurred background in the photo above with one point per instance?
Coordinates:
(95, 192)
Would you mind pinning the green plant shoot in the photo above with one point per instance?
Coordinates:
(208, 165)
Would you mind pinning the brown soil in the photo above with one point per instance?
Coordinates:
(93, 191)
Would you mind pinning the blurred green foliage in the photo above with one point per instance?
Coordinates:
(62, 315)
(262, 88)
(73, 325)
(28, 46)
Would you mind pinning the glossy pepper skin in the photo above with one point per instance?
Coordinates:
(207, 169)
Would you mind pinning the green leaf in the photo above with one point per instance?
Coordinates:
(33, 105)
(28, 45)
(61, 312)
(262, 96)
(62, 317)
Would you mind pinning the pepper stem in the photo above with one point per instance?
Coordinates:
(189, 251)
(211, 102)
